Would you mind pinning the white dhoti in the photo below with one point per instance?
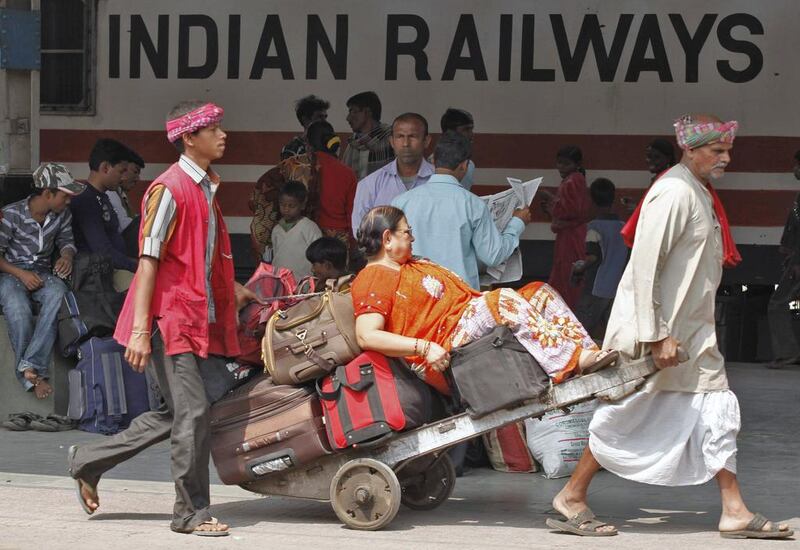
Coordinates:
(667, 437)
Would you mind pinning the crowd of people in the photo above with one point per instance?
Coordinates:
(417, 237)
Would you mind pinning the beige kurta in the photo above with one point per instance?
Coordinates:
(676, 264)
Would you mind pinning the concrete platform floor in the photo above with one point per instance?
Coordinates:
(38, 508)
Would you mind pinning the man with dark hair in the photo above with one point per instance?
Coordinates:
(785, 347)
(128, 220)
(179, 319)
(409, 170)
(461, 121)
(308, 109)
(369, 148)
(30, 230)
(94, 220)
(452, 226)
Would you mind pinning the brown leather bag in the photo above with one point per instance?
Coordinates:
(310, 339)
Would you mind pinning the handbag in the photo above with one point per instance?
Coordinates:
(495, 372)
(92, 306)
(370, 398)
(311, 338)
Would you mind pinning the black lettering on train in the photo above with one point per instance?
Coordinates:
(518, 37)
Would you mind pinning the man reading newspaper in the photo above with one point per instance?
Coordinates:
(453, 227)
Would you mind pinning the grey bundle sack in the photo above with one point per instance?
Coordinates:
(495, 372)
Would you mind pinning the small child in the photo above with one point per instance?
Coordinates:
(606, 257)
(328, 257)
(294, 232)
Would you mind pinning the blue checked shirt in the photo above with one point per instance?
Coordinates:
(27, 244)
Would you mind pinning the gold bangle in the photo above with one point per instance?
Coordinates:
(426, 348)
(140, 332)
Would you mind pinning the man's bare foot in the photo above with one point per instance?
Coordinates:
(569, 508)
(89, 496)
(736, 522)
(212, 528)
(42, 389)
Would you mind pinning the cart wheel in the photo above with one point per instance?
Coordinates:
(365, 494)
(428, 489)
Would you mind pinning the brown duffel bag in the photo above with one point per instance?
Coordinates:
(310, 339)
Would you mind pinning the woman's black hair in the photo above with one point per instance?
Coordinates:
(375, 222)
(573, 153)
(664, 147)
(321, 137)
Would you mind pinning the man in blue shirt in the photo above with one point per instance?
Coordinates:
(407, 171)
(452, 226)
(94, 220)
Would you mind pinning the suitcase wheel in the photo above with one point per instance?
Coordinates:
(365, 494)
(427, 482)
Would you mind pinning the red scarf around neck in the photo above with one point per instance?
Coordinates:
(731, 256)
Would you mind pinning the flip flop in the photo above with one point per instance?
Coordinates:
(20, 422)
(755, 530)
(203, 533)
(583, 524)
(80, 483)
(54, 423)
(606, 361)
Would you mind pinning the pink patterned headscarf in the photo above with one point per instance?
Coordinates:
(207, 115)
(692, 134)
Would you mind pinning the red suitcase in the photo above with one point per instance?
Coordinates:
(371, 397)
(260, 428)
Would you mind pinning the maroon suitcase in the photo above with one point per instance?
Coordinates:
(260, 428)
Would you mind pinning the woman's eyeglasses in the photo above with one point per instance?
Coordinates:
(406, 231)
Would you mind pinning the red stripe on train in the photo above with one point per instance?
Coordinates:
(514, 151)
(746, 208)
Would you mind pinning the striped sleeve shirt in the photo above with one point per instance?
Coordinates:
(159, 222)
(160, 218)
(27, 244)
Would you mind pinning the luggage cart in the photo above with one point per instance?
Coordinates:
(366, 486)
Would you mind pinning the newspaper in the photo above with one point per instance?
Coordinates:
(501, 206)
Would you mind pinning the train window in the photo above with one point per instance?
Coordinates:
(67, 78)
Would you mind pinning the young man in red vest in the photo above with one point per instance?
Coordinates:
(179, 318)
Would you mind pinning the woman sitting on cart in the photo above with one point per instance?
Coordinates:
(413, 308)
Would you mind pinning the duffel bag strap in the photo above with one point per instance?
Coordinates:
(336, 386)
(367, 378)
(312, 355)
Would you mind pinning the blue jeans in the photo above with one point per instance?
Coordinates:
(32, 339)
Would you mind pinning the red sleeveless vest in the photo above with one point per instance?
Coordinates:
(180, 304)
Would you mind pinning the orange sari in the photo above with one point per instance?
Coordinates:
(427, 301)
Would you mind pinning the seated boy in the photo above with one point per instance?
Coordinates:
(606, 257)
(30, 231)
(293, 232)
(328, 257)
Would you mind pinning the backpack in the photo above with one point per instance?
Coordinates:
(105, 393)
(267, 283)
